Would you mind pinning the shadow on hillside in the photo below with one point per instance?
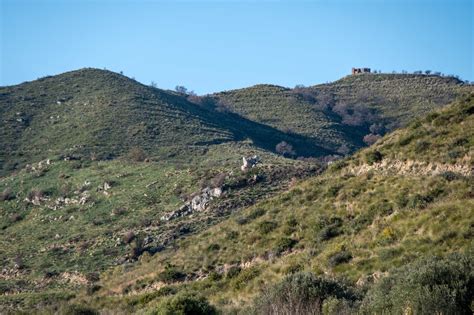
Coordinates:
(262, 136)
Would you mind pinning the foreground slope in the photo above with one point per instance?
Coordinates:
(407, 197)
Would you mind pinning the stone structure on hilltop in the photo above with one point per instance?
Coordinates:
(360, 70)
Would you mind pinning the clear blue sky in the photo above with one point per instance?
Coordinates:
(210, 46)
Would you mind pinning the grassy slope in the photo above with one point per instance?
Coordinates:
(47, 251)
(312, 111)
(101, 113)
(358, 218)
(104, 114)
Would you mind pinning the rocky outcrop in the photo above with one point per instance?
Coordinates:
(37, 166)
(198, 203)
(410, 167)
(249, 162)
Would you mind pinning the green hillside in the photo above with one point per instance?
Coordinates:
(99, 114)
(129, 198)
(343, 112)
(406, 198)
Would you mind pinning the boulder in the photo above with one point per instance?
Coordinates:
(249, 162)
(198, 203)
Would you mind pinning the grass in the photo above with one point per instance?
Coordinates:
(86, 226)
(341, 113)
(378, 216)
(99, 114)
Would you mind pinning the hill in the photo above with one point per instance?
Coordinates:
(406, 198)
(110, 188)
(99, 114)
(338, 115)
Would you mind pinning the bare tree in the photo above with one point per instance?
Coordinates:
(285, 149)
(371, 138)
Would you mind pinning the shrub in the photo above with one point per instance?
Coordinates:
(213, 247)
(406, 140)
(233, 272)
(428, 286)
(285, 149)
(371, 139)
(6, 195)
(421, 146)
(250, 217)
(231, 235)
(128, 237)
(284, 244)
(338, 306)
(136, 247)
(266, 227)
(244, 277)
(450, 176)
(339, 258)
(256, 213)
(136, 154)
(170, 275)
(300, 293)
(372, 157)
(328, 228)
(328, 232)
(148, 297)
(77, 309)
(334, 190)
(184, 304)
(35, 193)
(419, 201)
(218, 180)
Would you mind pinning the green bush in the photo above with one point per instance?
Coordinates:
(242, 280)
(300, 293)
(76, 309)
(213, 247)
(339, 258)
(328, 228)
(233, 272)
(266, 227)
(284, 244)
(428, 286)
(184, 304)
(372, 157)
(170, 275)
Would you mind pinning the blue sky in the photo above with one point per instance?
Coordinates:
(215, 45)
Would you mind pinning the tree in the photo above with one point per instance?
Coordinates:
(371, 138)
(285, 149)
(427, 72)
(181, 89)
(153, 84)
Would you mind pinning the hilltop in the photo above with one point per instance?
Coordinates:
(340, 114)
